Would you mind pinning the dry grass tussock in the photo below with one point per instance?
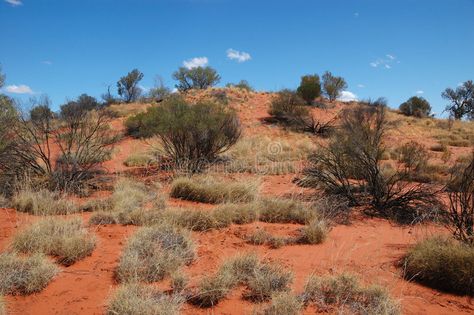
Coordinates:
(280, 210)
(25, 275)
(209, 189)
(140, 159)
(126, 204)
(262, 279)
(139, 299)
(283, 303)
(442, 263)
(124, 110)
(344, 294)
(3, 307)
(269, 156)
(65, 239)
(42, 202)
(155, 252)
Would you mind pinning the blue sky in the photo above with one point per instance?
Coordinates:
(394, 49)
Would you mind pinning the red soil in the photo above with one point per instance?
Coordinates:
(369, 248)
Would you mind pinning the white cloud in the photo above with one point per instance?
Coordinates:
(47, 62)
(14, 3)
(360, 86)
(196, 62)
(420, 92)
(386, 62)
(19, 89)
(347, 96)
(356, 14)
(240, 56)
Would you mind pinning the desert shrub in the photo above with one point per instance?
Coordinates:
(102, 218)
(179, 280)
(413, 155)
(127, 86)
(309, 88)
(284, 303)
(65, 239)
(242, 84)
(267, 280)
(139, 160)
(416, 106)
(195, 78)
(442, 263)
(461, 202)
(211, 190)
(350, 166)
(79, 107)
(315, 232)
(242, 213)
(279, 210)
(333, 85)
(139, 299)
(154, 252)
(191, 136)
(344, 293)
(25, 275)
(42, 202)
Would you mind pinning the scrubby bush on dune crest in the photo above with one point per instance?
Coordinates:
(65, 239)
(212, 190)
(441, 263)
(154, 252)
(25, 275)
(139, 299)
(416, 106)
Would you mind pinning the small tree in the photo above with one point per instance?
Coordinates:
(461, 100)
(83, 104)
(192, 136)
(127, 86)
(159, 92)
(461, 202)
(333, 86)
(416, 106)
(195, 78)
(309, 88)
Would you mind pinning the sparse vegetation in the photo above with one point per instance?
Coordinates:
(212, 190)
(25, 275)
(242, 84)
(42, 202)
(416, 106)
(155, 252)
(315, 232)
(267, 280)
(139, 299)
(279, 210)
(461, 100)
(343, 293)
(65, 239)
(441, 263)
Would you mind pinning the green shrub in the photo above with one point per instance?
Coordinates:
(25, 275)
(65, 239)
(288, 107)
(212, 190)
(195, 78)
(443, 264)
(191, 136)
(42, 202)
(139, 299)
(416, 106)
(333, 85)
(154, 252)
(309, 88)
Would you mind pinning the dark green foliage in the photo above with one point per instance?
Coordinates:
(461, 100)
(83, 104)
(195, 78)
(416, 106)
(443, 264)
(192, 135)
(309, 88)
(127, 86)
(333, 86)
